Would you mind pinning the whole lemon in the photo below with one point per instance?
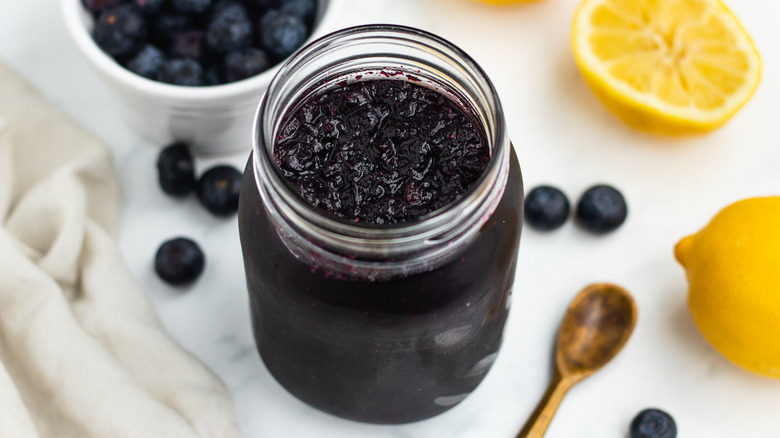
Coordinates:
(733, 269)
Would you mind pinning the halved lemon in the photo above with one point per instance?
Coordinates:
(666, 66)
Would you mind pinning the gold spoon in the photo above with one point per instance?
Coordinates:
(597, 325)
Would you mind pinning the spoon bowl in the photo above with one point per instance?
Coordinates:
(596, 326)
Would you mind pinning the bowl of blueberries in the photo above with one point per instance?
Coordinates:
(193, 70)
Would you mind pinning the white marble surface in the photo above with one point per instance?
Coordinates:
(564, 137)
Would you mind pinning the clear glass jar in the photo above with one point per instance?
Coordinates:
(383, 324)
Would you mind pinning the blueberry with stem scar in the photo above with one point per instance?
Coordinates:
(179, 261)
(546, 208)
(653, 423)
(602, 209)
(218, 190)
(176, 170)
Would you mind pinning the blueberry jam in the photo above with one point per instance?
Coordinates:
(388, 351)
(385, 301)
(381, 151)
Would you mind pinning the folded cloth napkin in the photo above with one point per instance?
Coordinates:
(82, 351)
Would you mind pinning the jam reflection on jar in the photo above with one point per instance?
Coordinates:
(380, 217)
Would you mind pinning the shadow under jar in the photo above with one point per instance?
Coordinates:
(380, 323)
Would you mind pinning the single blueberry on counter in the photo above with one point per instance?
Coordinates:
(176, 170)
(218, 190)
(120, 30)
(191, 6)
(653, 423)
(183, 71)
(281, 33)
(179, 261)
(601, 209)
(245, 63)
(546, 208)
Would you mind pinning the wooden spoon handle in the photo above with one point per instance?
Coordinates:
(537, 424)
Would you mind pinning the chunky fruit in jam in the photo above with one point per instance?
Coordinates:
(381, 151)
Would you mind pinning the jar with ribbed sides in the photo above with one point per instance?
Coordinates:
(359, 314)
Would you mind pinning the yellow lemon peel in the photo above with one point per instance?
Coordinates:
(733, 270)
(666, 66)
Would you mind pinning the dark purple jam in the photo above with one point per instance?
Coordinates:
(381, 151)
(391, 351)
(396, 349)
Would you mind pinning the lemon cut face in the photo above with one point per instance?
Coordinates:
(666, 66)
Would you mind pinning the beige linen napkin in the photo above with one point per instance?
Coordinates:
(82, 351)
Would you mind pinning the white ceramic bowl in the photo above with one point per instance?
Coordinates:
(214, 119)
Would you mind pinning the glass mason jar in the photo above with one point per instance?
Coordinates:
(382, 324)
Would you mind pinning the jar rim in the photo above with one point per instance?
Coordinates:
(419, 225)
(376, 252)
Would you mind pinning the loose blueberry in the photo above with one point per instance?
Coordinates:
(229, 30)
(546, 208)
(147, 62)
(281, 33)
(99, 5)
(303, 9)
(245, 63)
(120, 30)
(191, 6)
(188, 45)
(166, 27)
(176, 170)
(149, 7)
(185, 71)
(218, 190)
(653, 423)
(602, 209)
(179, 261)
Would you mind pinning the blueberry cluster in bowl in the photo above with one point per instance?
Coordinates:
(200, 42)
